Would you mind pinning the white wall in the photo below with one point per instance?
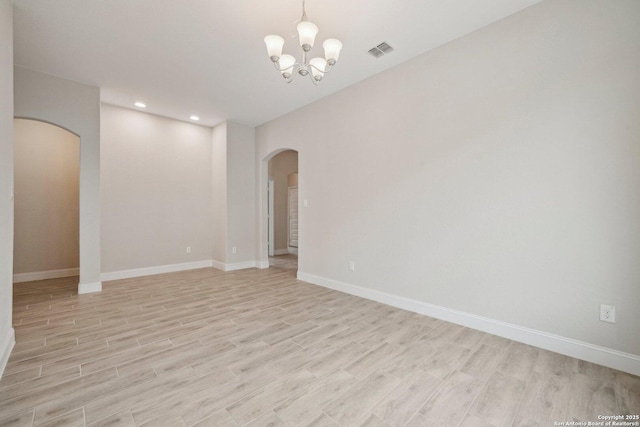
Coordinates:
(496, 176)
(75, 107)
(46, 225)
(156, 191)
(7, 336)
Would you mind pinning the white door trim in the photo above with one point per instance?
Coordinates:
(270, 215)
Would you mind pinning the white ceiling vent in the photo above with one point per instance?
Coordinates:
(380, 50)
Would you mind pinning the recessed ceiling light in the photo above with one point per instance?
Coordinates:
(194, 118)
(140, 104)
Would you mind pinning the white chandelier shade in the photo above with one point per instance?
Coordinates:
(274, 46)
(318, 67)
(307, 32)
(287, 63)
(332, 48)
(314, 68)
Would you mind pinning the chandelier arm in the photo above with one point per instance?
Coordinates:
(313, 80)
(326, 70)
(295, 65)
(294, 70)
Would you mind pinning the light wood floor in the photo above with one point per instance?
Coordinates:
(287, 262)
(259, 348)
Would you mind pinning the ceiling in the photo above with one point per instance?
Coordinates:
(208, 58)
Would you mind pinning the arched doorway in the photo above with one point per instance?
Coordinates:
(46, 207)
(280, 214)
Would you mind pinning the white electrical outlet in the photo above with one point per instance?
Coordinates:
(188, 249)
(352, 266)
(234, 250)
(607, 313)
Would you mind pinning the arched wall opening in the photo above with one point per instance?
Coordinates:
(47, 202)
(283, 209)
(75, 107)
(274, 176)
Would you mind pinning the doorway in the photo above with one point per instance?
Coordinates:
(46, 202)
(282, 210)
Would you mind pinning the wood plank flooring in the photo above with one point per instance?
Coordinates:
(260, 348)
(287, 262)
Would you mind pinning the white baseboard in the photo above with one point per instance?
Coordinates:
(219, 265)
(237, 265)
(88, 288)
(148, 271)
(292, 250)
(6, 345)
(280, 252)
(580, 350)
(262, 264)
(43, 275)
(240, 265)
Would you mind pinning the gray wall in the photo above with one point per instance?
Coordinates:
(496, 176)
(219, 191)
(155, 189)
(234, 192)
(6, 181)
(241, 193)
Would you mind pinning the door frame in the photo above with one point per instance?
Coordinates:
(270, 215)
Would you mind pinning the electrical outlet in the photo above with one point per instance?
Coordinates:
(188, 249)
(607, 313)
(352, 266)
(234, 250)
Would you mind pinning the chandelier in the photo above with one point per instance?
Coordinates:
(314, 68)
